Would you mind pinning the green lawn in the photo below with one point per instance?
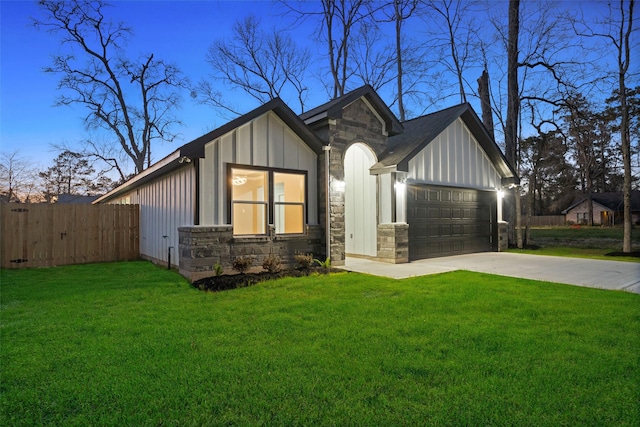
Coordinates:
(131, 344)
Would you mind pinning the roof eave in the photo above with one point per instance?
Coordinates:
(172, 161)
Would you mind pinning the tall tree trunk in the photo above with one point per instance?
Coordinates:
(513, 110)
(399, 17)
(485, 100)
(623, 64)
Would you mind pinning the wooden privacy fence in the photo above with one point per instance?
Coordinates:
(545, 220)
(46, 235)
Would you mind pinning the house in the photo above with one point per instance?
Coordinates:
(75, 199)
(607, 209)
(273, 182)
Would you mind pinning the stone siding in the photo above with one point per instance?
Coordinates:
(503, 236)
(202, 247)
(357, 124)
(393, 243)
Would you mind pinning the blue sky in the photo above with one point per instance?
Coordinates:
(177, 31)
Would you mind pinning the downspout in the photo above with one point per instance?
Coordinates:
(327, 151)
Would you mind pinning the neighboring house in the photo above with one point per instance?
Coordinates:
(259, 185)
(75, 199)
(608, 209)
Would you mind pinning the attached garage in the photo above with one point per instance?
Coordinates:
(450, 221)
(446, 175)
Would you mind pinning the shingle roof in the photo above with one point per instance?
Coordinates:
(74, 199)
(611, 200)
(333, 108)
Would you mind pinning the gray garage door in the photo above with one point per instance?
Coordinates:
(450, 221)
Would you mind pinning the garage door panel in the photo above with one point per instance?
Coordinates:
(457, 221)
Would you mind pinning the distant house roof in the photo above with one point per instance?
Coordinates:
(610, 200)
(333, 109)
(75, 199)
(419, 132)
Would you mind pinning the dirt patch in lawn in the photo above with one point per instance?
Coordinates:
(234, 281)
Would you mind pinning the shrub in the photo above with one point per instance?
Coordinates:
(272, 263)
(304, 260)
(217, 269)
(242, 263)
(326, 264)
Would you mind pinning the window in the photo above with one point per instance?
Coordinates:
(288, 203)
(261, 196)
(249, 201)
(582, 217)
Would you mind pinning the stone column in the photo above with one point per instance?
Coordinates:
(503, 236)
(393, 242)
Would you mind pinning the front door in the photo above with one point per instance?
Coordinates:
(360, 206)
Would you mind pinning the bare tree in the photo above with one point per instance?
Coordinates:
(397, 12)
(338, 22)
(374, 65)
(541, 69)
(513, 106)
(132, 100)
(617, 29)
(453, 35)
(264, 65)
(18, 177)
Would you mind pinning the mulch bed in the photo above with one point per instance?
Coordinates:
(631, 254)
(234, 281)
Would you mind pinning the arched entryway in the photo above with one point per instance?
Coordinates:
(360, 206)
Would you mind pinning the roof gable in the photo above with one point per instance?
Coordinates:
(195, 148)
(421, 131)
(333, 109)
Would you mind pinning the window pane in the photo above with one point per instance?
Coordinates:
(289, 219)
(249, 185)
(288, 187)
(249, 218)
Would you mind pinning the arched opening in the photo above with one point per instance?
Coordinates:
(360, 204)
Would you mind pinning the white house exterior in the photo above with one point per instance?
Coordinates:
(272, 182)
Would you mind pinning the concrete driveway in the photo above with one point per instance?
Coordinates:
(624, 276)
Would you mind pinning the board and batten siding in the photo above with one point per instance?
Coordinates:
(265, 141)
(454, 158)
(165, 204)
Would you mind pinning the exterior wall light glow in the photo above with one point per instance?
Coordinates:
(500, 194)
(338, 185)
(400, 185)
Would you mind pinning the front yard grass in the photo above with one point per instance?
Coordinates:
(134, 344)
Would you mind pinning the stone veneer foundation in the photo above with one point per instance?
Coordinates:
(202, 247)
